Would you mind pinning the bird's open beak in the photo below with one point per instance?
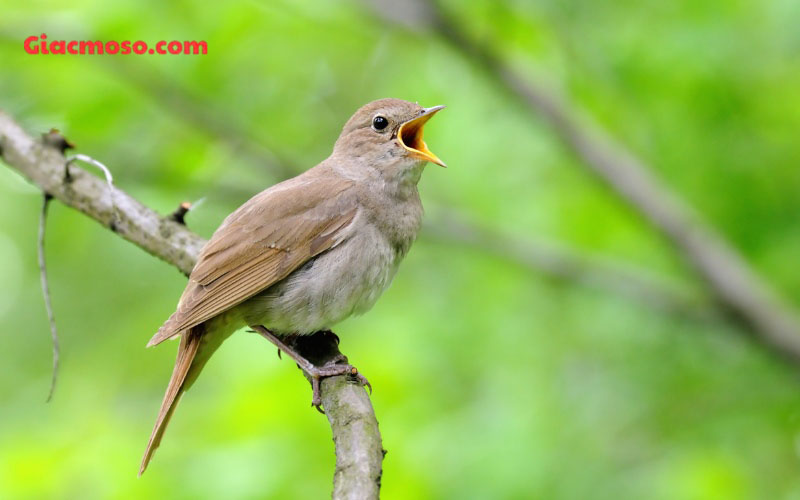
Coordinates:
(410, 135)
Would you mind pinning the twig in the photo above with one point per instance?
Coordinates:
(359, 444)
(180, 213)
(56, 140)
(46, 292)
(106, 172)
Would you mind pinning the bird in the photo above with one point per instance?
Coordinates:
(308, 252)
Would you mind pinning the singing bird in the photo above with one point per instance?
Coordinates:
(308, 252)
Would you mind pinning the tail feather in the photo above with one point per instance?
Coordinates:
(190, 341)
(196, 347)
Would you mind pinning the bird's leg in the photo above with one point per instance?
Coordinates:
(329, 364)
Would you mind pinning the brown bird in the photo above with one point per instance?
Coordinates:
(307, 253)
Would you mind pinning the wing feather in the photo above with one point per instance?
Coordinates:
(262, 242)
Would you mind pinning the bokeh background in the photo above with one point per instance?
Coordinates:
(493, 377)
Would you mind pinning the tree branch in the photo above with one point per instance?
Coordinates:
(354, 427)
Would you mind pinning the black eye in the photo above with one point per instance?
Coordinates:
(380, 123)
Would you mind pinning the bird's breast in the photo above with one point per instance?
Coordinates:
(345, 280)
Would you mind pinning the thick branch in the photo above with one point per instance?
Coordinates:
(355, 429)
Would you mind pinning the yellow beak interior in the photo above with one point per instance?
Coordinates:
(410, 135)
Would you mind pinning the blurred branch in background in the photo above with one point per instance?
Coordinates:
(734, 284)
(215, 122)
(355, 430)
(562, 263)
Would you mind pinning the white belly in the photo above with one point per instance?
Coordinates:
(343, 281)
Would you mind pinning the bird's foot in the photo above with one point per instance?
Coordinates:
(332, 369)
(336, 364)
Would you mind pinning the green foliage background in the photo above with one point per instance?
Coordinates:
(491, 381)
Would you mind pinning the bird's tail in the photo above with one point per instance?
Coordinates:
(190, 342)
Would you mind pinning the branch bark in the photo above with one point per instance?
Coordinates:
(356, 435)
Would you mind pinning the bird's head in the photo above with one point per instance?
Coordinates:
(387, 134)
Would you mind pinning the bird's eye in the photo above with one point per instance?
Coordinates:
(380, 123)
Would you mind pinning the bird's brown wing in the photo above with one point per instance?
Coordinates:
(261, 243)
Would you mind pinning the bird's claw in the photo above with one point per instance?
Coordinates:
(362, 380)
(316, 397)
(331, 371)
